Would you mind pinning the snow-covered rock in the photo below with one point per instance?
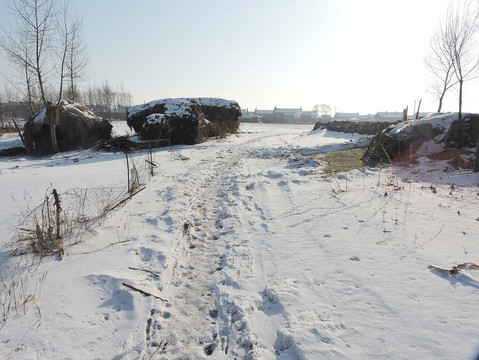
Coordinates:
(78, 127)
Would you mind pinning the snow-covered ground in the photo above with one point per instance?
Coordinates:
(254, 254)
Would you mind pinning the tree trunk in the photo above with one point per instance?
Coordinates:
(476, 161)
(459, 122)
(52, 117)
(29, 91)
(440, 102)
(418, 109)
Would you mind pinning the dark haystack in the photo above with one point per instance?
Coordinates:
(359, 127)
(469, 132)
(223, 116)
(406, 138)
(178, 120)
(184, 121)
(78, 128)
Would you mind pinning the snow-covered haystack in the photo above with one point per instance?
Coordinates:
(78, 128)
(422, 137)
(223, 116)
(184, 120)
(178, 120)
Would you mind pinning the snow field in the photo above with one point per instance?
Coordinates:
(257, 255)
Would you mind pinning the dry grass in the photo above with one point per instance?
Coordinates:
(341, 161)
(18, 288)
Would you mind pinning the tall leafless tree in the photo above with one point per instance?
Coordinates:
(454, 57)
(107, 96)
(461, 39)
(72, 54)
(441, 65)
(29, 45)
(45, 37)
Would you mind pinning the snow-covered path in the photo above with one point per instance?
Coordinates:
(256, 256)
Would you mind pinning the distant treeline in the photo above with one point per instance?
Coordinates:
(104, 100)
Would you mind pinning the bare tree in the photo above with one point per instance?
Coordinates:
(46, 37)
(74, 59)
(460, 33)
(29, 47)
(325, 109)
(123, 97)
(441, 65)
(107, 96)
(90, 96)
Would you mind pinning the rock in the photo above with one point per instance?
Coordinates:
(77, 128)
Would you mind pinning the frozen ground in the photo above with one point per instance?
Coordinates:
(257, 255)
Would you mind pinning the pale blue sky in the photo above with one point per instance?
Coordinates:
(356, 55)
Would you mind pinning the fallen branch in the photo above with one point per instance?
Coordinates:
(455, 269)
(103, 248)
(145, 270)
(151, 163)
(143, 292)
(126, 199)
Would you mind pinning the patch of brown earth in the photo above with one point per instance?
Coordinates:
(341, 161)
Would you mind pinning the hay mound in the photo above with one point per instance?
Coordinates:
(184, 120)
(78, 128)
(359, 127)
(422, 137)
(222, 116)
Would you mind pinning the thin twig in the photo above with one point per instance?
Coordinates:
(151, 163)
(143, 292)
(103, 248)
(145, 270)
(126, 199)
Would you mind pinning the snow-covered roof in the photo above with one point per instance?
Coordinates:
(346, 115)
(309, 114)
(288, 111)
(389, 115)
(247, 114)
(263, 112)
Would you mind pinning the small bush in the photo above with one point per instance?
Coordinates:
(44, 235)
